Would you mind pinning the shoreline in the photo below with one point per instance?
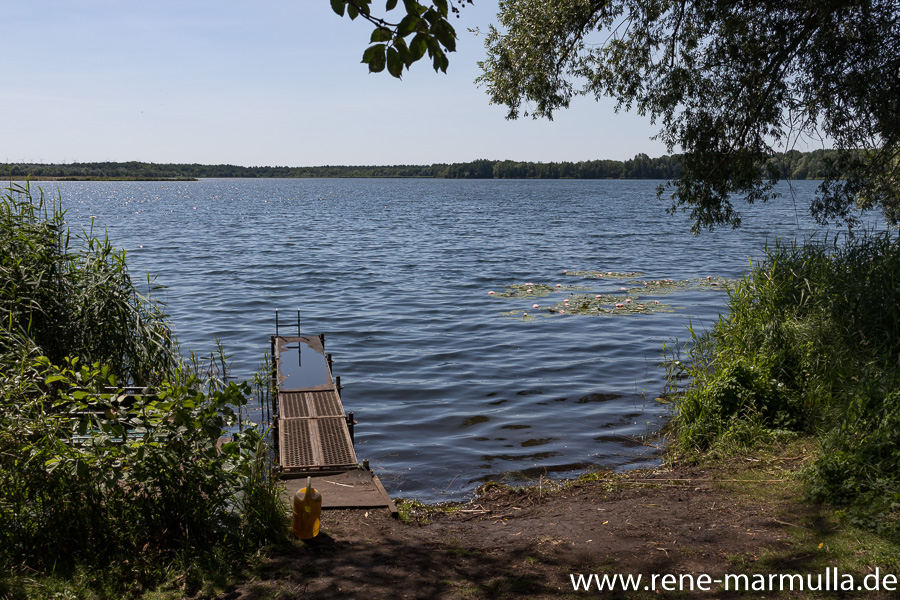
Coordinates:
(742, 515)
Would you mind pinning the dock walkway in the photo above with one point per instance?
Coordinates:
(313, 434)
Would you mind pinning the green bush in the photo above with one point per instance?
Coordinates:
(131, 487)
(810, 345)
(93, 475)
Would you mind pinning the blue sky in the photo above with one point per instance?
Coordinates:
(262, 82)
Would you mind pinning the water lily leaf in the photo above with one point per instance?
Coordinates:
(602, 274)
(628, 301)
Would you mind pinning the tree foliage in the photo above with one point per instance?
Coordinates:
(731, 83)
(421, 29)
(794, 165)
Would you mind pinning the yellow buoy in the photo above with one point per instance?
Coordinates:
(307, 511)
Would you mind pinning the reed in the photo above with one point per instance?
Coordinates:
(62, 294)
(135, 486)
(810, 346)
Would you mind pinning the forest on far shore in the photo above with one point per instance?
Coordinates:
(792, 165)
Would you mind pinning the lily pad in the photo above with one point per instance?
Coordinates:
(535, 290)
(523, 315)
(582, 304)
(609, 305)
(633, 301)
(602, 274)
(670, 286)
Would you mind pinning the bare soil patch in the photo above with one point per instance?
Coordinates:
(526, 542)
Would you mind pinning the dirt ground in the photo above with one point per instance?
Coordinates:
(527, 543)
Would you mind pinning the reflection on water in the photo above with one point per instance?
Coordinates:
(469, 421)
(302, 367)
(534, 456)
(597, 398)
(537, 442)
(625, 440)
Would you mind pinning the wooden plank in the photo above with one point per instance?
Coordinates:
(358, 488)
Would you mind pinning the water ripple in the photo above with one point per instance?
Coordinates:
(448, 391)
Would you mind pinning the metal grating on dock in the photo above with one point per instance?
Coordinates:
(308, 443)
(311, 428)
(316, 403)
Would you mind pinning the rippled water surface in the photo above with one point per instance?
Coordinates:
(448, 390)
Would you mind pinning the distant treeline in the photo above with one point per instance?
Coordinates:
(794, 164)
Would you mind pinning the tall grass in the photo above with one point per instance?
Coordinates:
(810, 346)
(130, 486)
(60, 295)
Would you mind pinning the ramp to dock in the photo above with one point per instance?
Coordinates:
(313, 434)
(351, 489)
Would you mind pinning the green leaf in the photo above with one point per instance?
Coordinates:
(407, 25)
(394, 62)
(55, 378)
(352, 11)
(432, 16)
(381, 34)
(391, 5)
(445, 34)
(440, 62)
(403, 51)
(413, 7)
(376, 64)
(434, 48)
(371, 52)
(338, 6)
(442, 6)
(418, 46)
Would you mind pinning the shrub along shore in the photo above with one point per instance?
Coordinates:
(111, 481)
(810, 347)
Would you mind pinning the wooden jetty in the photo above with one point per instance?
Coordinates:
(312, 433)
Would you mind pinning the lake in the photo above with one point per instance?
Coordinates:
(452, 386)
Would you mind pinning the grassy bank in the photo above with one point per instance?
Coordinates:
(111, 482)
(810, 347)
